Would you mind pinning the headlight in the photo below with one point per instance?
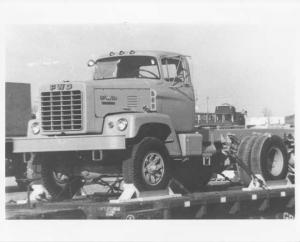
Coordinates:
(122, 124)
(35, 127)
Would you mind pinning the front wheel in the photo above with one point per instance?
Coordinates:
(148, 166)
(58, 180)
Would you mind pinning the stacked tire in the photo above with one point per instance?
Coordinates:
(263, 155)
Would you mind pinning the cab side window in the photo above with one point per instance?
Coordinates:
(175, 70)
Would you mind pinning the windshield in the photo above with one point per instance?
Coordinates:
(126, 67)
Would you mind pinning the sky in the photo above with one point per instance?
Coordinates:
(251, 66)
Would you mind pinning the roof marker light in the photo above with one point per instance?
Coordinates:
(121, 52)
(132, 52)
(111, 53)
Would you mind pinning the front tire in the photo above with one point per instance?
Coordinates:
(148, 166)
(57, 180)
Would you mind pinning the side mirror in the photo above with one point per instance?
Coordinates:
(91, 63)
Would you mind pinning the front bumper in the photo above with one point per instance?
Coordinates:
(68, 143)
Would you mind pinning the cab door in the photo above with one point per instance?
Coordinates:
(177, 93)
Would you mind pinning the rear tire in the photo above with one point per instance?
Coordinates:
(244, 154)
(269, 158)
(148, 166)
(59, 183)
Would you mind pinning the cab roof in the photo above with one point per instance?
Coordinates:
(154, 53)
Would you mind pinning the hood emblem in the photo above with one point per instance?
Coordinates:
(108, 100)
(60, 87)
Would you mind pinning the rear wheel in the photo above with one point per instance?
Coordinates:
(269, 158)
(58, 179)
(148, 166)
(244, 154)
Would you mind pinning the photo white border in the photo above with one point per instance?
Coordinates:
(101, 12)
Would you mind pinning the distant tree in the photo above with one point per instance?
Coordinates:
(267, 113)
(244, 112)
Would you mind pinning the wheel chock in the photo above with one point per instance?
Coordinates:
(284, 183)
(257, 183)
(132, 194)
(129, 192)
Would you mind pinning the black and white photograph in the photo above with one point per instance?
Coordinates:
(176, 115)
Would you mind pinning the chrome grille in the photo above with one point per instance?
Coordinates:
(61, 110)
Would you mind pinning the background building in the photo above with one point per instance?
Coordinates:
(290, 120)
(225, 115)
(265, 121)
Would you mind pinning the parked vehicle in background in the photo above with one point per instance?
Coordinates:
(225, 116)
(17, 115)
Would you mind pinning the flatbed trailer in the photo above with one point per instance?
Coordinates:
(218, 201)
(215, 134)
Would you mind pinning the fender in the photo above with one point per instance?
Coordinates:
(136, 121)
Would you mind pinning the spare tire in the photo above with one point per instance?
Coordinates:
(269, 158)
(244, 154)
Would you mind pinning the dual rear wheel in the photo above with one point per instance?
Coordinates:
(263, 155)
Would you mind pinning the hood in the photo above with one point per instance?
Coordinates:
(80, 106)
(135, 83)
(120, 95)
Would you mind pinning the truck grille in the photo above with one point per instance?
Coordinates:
(61, 110)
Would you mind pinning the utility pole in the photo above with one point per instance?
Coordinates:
(207, 98)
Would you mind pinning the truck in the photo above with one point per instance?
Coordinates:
(17, 114)
(135, 121)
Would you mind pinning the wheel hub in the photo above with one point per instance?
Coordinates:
(153, 168)
(275, 161)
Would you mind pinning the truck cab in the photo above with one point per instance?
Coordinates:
(166, 74)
